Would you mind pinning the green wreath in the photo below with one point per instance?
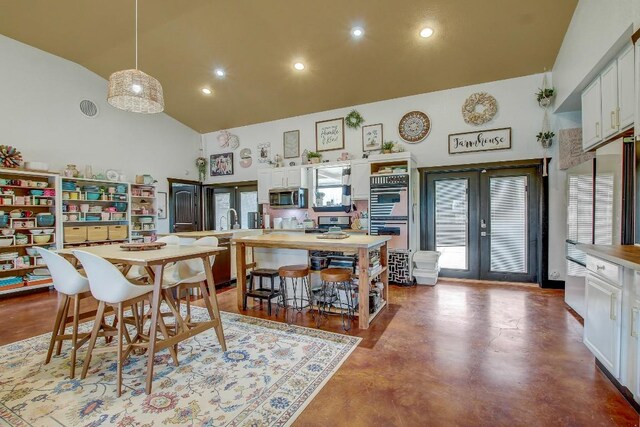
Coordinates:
(354, 120)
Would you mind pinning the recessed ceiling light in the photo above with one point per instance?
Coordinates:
(357, 32)
(298, 66)
(206, 90)
(426, 32)
(219, 72)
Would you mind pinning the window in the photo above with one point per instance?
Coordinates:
(328, 188)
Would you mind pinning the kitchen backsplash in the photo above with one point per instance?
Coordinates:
(361, 205)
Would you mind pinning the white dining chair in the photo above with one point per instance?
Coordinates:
(189, 274)
(110, 287)
(69, 284)
(137, 272)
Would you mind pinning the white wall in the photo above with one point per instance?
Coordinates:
(597, 30)
(39, 114)
(517, 108)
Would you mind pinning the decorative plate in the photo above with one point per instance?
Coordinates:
(112, 175)
(414, 127)
(245, 163)
(245, 153)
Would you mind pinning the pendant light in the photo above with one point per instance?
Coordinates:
(134, 90)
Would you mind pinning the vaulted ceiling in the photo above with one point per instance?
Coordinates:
(258, 41)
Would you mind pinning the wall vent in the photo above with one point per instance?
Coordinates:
(88, 108)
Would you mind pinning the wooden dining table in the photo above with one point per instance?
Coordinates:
(155, 261)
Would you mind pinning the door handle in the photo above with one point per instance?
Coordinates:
(612, 309)
(613, 119)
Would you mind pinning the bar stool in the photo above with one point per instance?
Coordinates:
(333, 282)
(69, 284)
(261, 292)
(110, 287)
(296, 276)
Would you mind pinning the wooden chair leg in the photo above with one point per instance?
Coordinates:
(94, 336)
(74, 335)
(173, 350)
(56, 326)
(63, 324)
(120, 339)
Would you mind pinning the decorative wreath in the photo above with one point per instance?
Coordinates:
(9, 157)
(227, 139)
(477, 118)
(354, 120)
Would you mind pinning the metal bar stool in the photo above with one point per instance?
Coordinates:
(261, 292)
(334, 282)
(297, 277)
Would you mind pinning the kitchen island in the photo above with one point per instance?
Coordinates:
(359, 244)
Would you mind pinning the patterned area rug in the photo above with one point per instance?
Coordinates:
(268, 375)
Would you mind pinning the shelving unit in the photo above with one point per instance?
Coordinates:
(144, 213)
(94, 211)
(32, 194)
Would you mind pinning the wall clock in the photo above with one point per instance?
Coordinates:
(414, 127)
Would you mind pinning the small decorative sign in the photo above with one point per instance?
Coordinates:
(485, 140)
(291, 141)
(330, 135)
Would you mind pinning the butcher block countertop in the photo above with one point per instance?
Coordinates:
(310, 241)
(624, 255)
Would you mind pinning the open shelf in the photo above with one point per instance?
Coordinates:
(24, 288)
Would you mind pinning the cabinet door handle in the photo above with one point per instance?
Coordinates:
(618, 117)
(612, 309)
(613, 120)
(634, 318)
(597, 129)
(599, 267)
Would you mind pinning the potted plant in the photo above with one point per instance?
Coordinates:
(387, 147)
(314, 157)
(319, 198)
(545, 138)
(545, 96)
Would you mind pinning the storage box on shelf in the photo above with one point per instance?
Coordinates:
(27, 220)
(94, 211)
(144, 213)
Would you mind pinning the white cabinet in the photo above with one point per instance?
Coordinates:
(626, 89)
(293, 177)
(264, 184)
(287, 177)
(609, 97)
(360, 180)
(602, 322)
(278, 178)
(635, 331)
(637, 91)
(591, 115)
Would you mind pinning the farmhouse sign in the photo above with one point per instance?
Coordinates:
(485, 140)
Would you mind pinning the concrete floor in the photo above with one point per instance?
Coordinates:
(459, 353)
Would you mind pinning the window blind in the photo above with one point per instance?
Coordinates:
(508, 200)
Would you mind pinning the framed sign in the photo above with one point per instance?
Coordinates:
(221, 164)
(372, 137)
(330, 135)
(485, 140)
(291, 141)
(162, 205)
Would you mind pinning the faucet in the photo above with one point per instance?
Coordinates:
(236, 226)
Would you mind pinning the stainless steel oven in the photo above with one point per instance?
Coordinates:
(389, 208)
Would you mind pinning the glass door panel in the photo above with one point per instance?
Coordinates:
(508, 197)
(248, 203)
(452, 219)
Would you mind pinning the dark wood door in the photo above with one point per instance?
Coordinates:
(184, 206)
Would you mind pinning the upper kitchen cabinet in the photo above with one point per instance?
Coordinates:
(591, 115)
(360, 180)
(626, 89)
(290, 177)
(608, 103)
(264, 184)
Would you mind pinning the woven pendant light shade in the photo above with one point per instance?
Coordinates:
(135, 91)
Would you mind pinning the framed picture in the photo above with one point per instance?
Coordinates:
(291, 141)
(264, 152)
(221, 164)
(484, 140)
(330, 135)
(372, 137)
(162, 205)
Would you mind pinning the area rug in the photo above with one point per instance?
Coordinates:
(268, 375)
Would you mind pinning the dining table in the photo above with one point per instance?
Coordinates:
(155, 261)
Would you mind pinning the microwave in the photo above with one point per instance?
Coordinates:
(289, 198)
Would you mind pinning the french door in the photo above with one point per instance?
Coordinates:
(219, 199)
(485, 223)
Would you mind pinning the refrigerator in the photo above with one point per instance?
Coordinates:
(594, 214)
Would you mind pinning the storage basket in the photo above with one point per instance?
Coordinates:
(97, 233)
(75, 234)
(118, 232)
